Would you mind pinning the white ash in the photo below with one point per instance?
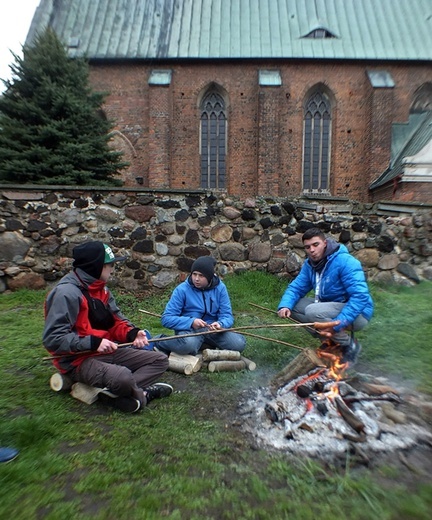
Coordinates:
(305, 431)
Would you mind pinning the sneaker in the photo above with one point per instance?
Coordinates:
(124, 404)
(8, 454)
(351, 352)
(157, 391)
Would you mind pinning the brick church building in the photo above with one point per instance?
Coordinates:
(281, 98)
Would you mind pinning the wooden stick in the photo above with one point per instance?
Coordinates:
(168, 338)
(318, 325)
(272, 340)
(263, 308)
(272, 311)
(150, 313)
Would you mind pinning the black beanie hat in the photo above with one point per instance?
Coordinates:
(90, 257)
(204, 265)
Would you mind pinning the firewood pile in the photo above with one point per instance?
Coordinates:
(311, 409)
(211, 360)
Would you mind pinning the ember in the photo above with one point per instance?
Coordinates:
(323, 413)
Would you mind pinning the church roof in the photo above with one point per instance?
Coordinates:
(408, 139)
(239, 29)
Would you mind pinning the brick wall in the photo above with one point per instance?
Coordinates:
(265, 124)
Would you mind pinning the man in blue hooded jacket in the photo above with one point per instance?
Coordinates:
(200, 304)
(340, 293)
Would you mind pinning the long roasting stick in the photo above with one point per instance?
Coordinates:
(272, 311)
(233, 329)
(150, 313)
(272, 340)
(155, 340)
(244, 333)
(316, 325)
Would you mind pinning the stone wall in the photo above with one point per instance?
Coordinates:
(163, 232)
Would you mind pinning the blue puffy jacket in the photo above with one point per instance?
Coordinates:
(342, 280)
(188, 303)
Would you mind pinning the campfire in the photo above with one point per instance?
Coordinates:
(313, 407)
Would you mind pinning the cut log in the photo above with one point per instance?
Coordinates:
(250, 365)
(85, 393)
(198, 364)
(302, 364)
(186, 364)
(60, 382)
(179, 365)
(226, 366)
(221, 355)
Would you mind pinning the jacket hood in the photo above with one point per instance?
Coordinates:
(214, 282)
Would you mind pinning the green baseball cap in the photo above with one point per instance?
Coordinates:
(110, 257)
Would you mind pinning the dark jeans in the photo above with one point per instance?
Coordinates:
(126, 372)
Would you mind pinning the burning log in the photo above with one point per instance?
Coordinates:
(352, 420)
(359, 398)
(374, 389)
(303, 363)
(275, 411)
(371, 388)
(288, 406)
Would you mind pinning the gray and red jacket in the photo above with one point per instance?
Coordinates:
(68, 330)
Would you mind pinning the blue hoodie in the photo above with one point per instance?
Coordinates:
(188, 303)
(342, 280)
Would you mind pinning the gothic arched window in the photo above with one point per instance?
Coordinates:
(316, 143)
(213, 141)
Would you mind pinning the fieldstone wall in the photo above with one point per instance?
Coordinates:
(163, 232)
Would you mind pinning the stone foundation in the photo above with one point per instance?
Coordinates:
(163, 232)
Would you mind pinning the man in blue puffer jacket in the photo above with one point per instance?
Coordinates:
(200, 303)
(340, 292)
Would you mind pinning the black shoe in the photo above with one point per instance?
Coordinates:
(157, 391)
(351, 352)
(124, 404)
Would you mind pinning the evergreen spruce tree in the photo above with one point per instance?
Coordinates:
(51, 128)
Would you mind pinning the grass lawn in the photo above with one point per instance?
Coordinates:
(185, 457)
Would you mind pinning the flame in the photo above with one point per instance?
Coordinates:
(336, 371)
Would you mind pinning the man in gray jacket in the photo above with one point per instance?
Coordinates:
(83, 327)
